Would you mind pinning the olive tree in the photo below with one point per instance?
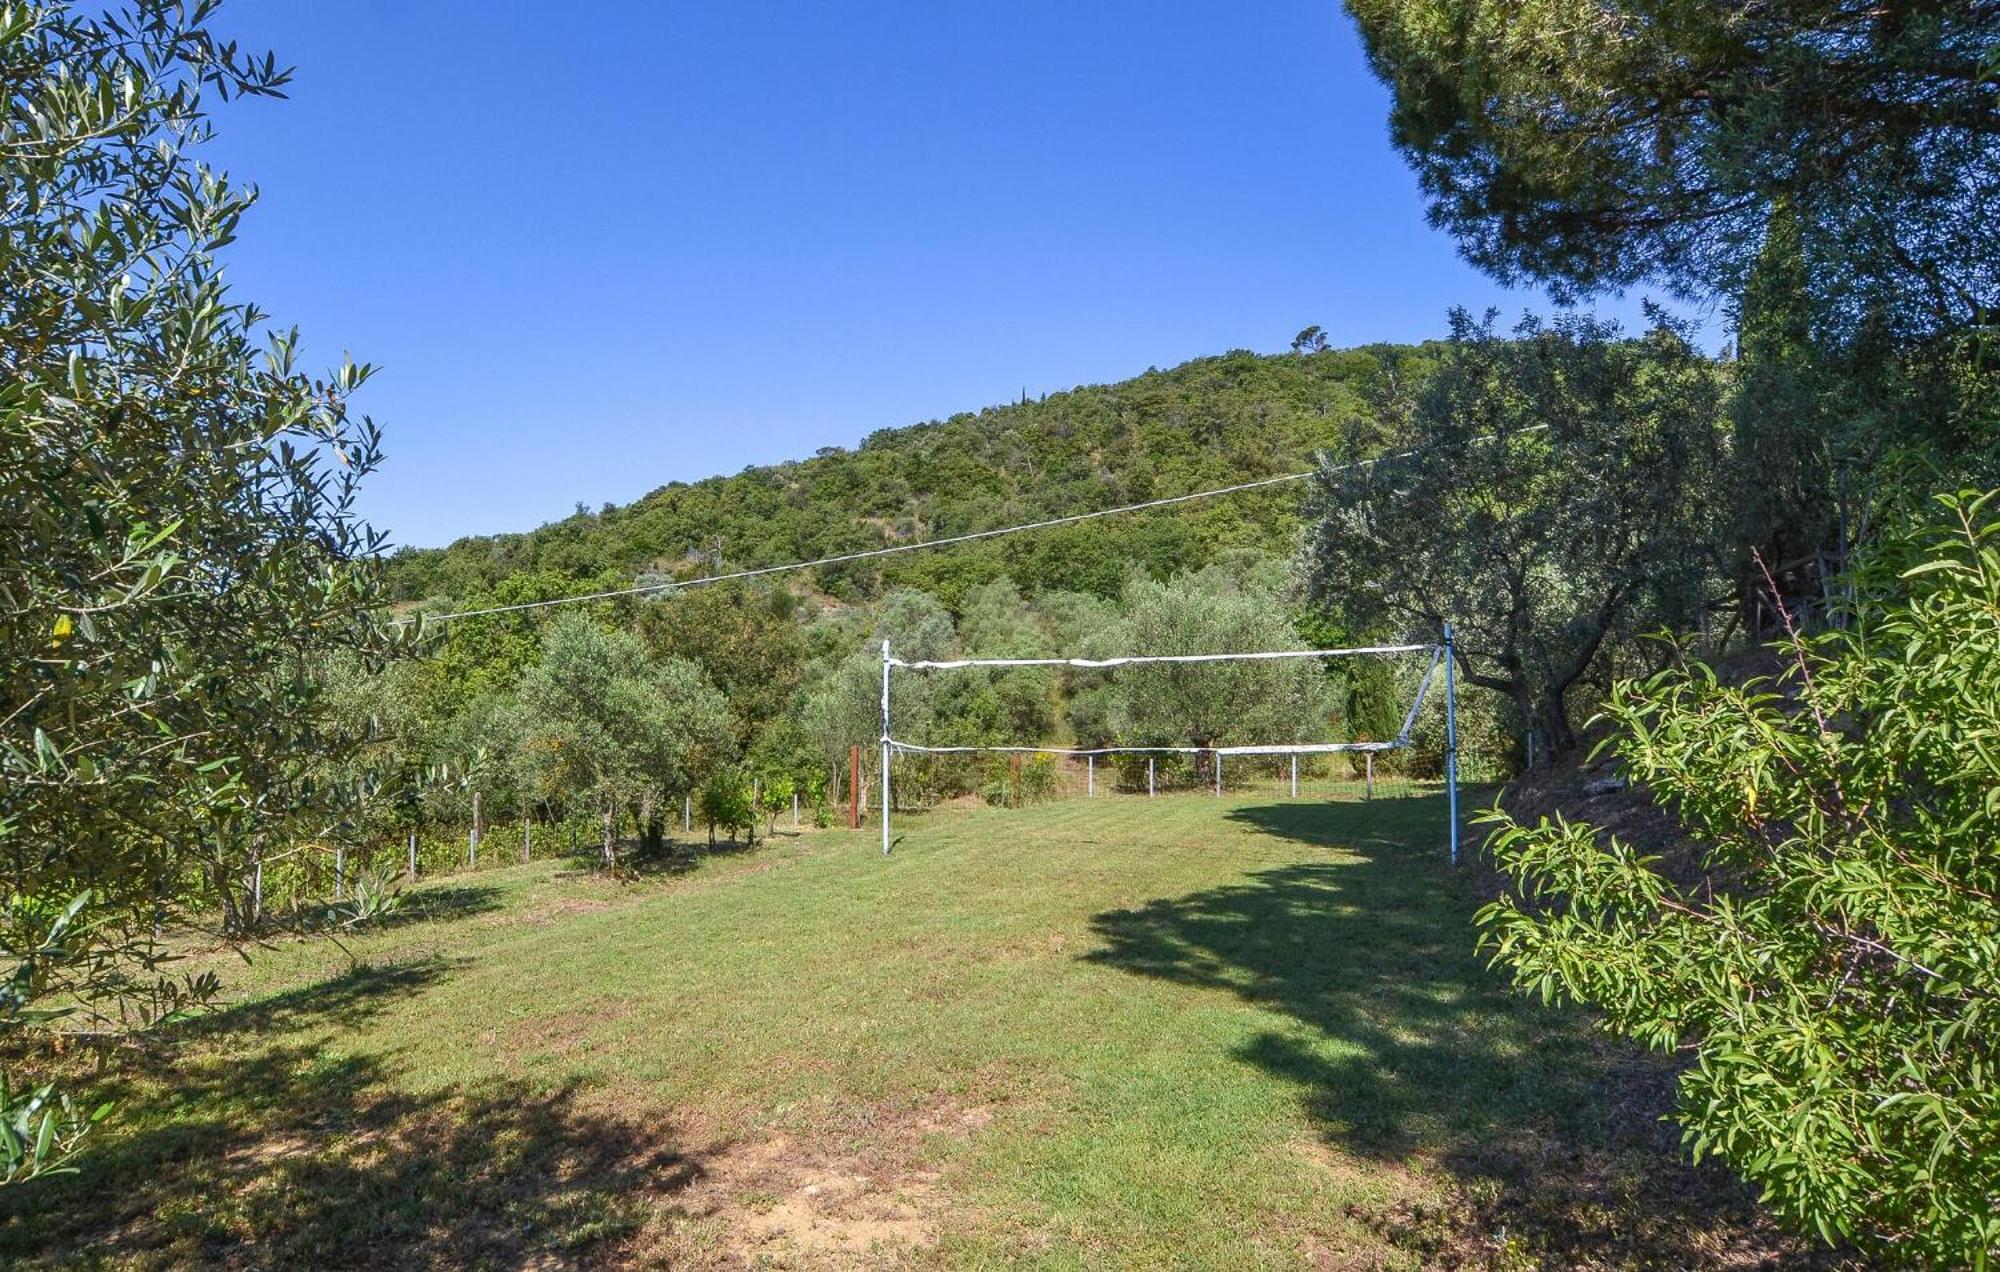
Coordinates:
(1834, 970)
(599, 721)
(1560, 494)
(179, 543)
(1233, 606)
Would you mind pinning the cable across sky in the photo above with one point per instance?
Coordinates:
(895, 549)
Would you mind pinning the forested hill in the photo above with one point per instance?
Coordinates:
(1210, 422)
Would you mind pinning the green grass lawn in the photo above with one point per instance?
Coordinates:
(1117, 1032)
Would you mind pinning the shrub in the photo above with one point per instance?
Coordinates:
(1836, 974)
(724, 802)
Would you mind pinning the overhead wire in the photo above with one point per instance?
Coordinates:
(894, 549)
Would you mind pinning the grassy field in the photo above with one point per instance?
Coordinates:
(1189, 1032)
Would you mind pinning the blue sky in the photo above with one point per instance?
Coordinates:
(598, 247)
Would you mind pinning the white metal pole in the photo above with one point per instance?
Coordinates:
(795, 810)
(885, 748)
(339, 872)
(1090, 775)
(687, 814)
(1218, 773)
(1295, 777)
(1151, 789)
(1451, 736)
(413, 854)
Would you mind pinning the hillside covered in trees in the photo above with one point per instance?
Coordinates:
(1207, 423)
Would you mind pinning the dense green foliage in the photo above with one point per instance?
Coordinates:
(1839, 991)
(798, 659)
(1208, 423)
(1826, 172)
(1822, 171)
(1561, 498)
(1226, 608)
(597, 722)
(178, 547)
(1594, 144)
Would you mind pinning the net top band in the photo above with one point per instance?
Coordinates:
(1294, 748)
(955, 664)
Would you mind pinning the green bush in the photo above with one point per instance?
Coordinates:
(724, 803)
(1035, 782)
(1835, 970)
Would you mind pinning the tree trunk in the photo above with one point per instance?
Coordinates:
(652, 826)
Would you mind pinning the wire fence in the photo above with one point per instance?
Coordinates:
(1019, 779)
(310, 875)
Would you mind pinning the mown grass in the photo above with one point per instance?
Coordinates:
(1117, 1032)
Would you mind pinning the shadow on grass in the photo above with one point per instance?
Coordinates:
(343, 1001)
(1407, 1048)
(673, 857)
(299, 1156)
(441, 904)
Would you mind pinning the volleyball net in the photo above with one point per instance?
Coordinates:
(1209, 757)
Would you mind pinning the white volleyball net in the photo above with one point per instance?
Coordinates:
(1202, 730)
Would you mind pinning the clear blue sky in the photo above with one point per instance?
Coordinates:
(600, 246)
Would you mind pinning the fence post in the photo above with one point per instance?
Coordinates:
(610, 853)
(1151, 786)
(1218, 774)
(854, 788)
(527, 839)
(1089, 775)
(1369, 759)
(413, 854)
(687, 814)
(1295, 777)
(472, 836)
(339, 872)
(795, 810)
(1014, 763)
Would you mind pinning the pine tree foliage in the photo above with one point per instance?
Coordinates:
(1605, 143)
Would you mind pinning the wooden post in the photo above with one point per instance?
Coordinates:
(854, 788)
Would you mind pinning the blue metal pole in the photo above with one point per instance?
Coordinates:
(1451, 735)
